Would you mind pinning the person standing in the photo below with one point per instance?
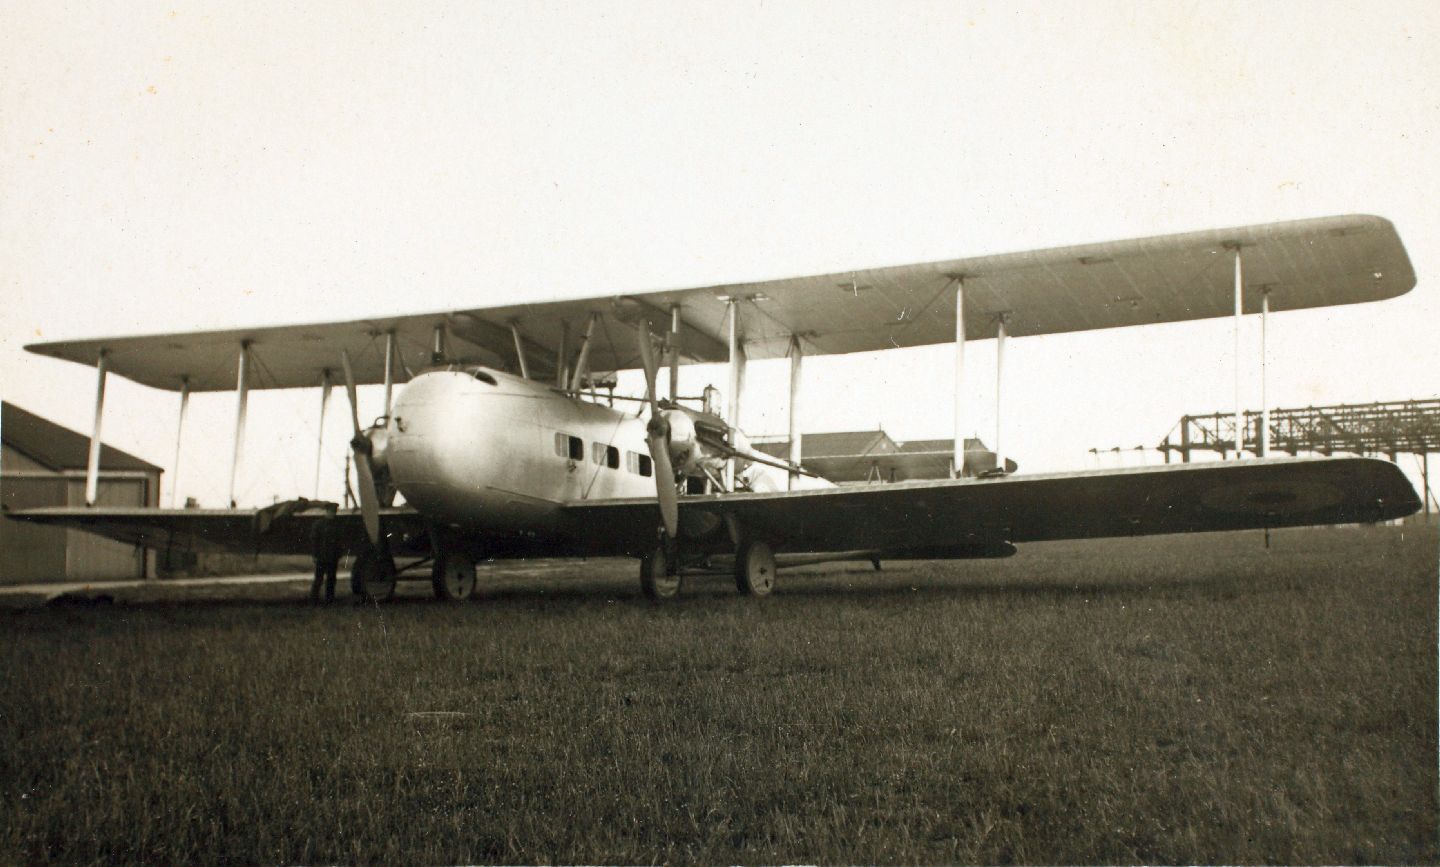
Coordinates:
(327, 545)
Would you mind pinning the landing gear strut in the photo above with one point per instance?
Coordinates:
(373, 576)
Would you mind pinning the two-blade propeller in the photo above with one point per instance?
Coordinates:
(657, 437)
(364, 467)
(658, 433)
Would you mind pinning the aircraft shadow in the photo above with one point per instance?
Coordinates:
(704, 590)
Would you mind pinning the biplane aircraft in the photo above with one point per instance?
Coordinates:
(507, 441)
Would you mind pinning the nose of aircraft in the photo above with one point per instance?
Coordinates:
(446, 437)
(419, 439)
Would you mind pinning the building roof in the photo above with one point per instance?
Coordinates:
(910, 447)
(861, 443)
(59, 448)
(855, 456)
(858, 443)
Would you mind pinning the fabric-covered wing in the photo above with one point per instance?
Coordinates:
(233, 530)
(924, 518)
(1305, 263)
(1170, 278)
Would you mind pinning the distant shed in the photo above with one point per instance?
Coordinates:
(43, 464)
(871, 456)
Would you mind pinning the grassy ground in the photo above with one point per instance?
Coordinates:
(1160, 700)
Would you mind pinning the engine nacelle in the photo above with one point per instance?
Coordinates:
(691, 451)
(685, 449)
(379, 437)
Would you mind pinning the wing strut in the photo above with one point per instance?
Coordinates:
(1264, 360)
(438, 347)
(999, 390)
(242, 393)
(179, 438)
(520, 350)
(959, 458)
(325, 383)
(389, 368)
(92, 463)
(736, 375)
(562, 356)
(796, 356)
(674, 353)
(1239, 313)
(582, 361)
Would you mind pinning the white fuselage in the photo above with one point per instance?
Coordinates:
(481, 449)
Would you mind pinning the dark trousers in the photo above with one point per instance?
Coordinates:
(324, 571)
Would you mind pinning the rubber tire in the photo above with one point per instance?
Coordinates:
(453, 578)
(656, 580)
(373, 576)
(755, 569)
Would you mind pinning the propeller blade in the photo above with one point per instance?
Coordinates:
(364, 471)
(658, 438)
(369, 497)
(350, 390)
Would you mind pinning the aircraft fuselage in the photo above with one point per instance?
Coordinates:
(483, 450)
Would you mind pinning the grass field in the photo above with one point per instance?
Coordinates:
(1194, 699)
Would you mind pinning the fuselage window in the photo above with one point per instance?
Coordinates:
(570, 447)
(607, 455)
(639, 464)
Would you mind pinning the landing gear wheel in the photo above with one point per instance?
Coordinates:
(373, 576)
(453, 576)
(755, 569)
(658, 577)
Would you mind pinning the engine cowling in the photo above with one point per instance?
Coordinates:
(684, 441)
(379, 437)
(696, 444)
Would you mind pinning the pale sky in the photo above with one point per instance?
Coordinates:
(178, 166)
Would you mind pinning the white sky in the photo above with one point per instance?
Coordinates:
(176, 166)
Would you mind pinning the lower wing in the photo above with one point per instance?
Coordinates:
(943, 518)
(969, 517)
(236, 530)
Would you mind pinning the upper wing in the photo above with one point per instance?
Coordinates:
(1306, 263)
(920, 517)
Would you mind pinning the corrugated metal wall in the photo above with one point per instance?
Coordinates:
(30, 554)
(92, 558)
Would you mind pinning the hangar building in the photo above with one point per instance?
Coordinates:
(870, 456)
(43, 464)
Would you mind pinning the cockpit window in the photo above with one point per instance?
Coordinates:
(479, 373)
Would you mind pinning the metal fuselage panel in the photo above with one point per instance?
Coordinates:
(483, 456)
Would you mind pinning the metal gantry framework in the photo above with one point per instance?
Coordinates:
(1389, 428)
